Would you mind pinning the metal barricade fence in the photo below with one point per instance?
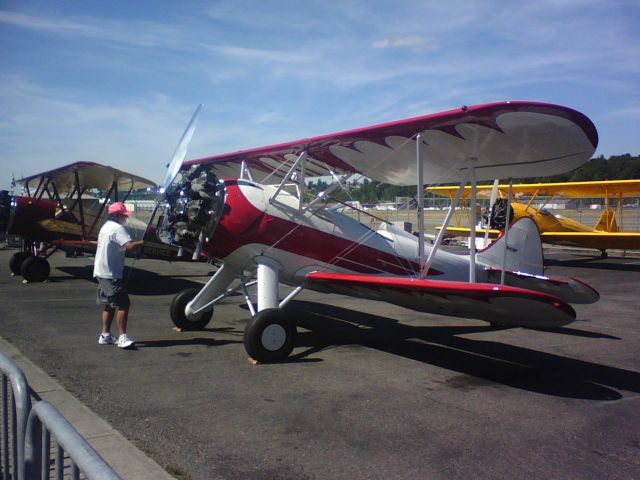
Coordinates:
(26, 437)
(46, 421)
(16, 405)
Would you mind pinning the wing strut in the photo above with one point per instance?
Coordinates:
(507, 221)
(436, 244)
(244, 170)
(291, 176)
(472, 236)
(81, 206)
(420, 201)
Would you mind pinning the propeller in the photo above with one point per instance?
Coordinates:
(492, 202)
(174, 165)
(181, 151)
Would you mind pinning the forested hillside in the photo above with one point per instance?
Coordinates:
(617, 167)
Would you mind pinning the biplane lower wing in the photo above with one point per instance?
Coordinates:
(493, 303)
(598, 240)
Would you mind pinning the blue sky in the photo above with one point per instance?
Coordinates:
(116, 82)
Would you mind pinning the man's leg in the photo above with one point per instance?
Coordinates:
(107, 318)
(122, 317)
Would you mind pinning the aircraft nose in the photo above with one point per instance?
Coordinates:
(25, 212)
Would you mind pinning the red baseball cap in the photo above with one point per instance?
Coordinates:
(119, 208)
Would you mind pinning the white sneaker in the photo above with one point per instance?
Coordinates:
(107, 339)
(125, 341)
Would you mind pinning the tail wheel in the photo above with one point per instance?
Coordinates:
(16, 261)
(269, 336)
(35, 269)
(179, 317)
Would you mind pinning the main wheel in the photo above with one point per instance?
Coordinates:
(269, 336)
(178, 315)
(15, 263)
(35, 269)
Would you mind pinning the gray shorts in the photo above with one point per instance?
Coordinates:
(111, 292)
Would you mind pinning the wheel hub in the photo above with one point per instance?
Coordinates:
(273, 337)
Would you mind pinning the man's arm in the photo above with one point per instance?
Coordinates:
(134, 245)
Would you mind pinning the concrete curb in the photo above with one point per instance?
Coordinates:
(123, 456)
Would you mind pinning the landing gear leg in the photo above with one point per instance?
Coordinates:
(189, 307)
(270, 334)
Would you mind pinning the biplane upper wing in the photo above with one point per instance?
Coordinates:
(89, 175)
(592, 189)
(60, 215)
(507, 139)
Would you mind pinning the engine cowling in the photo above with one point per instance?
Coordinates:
(26, 212)
(196, 204)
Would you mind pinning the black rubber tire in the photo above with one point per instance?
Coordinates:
(15, 263)
(277, 343)
(35, 269)
(178, 316)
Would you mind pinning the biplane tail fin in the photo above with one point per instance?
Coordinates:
(523, 250)
(607, 221)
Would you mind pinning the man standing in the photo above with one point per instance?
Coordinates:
(113, 243)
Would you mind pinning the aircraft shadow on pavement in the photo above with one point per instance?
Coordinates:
(207, 342)
(484, 361)
(139, 281)
(596, 263)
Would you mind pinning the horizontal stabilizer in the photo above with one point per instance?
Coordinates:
(501, 304)
(571, 291)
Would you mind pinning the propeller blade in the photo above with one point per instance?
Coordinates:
(181, 152)
(492, 202)
(174, 167)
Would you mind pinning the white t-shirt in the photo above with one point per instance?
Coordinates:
(109, 261)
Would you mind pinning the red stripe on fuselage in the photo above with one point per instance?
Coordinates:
(244, 224)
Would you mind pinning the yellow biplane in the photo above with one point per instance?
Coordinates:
(607, 233)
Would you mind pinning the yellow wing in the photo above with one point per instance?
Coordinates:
(598, 240)
(605, 188)
(464, 231)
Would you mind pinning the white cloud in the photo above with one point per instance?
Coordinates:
(631, 112)
(414, 43)
(266, 55)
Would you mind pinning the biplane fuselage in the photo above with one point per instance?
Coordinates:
(547, 221)
(322, 239)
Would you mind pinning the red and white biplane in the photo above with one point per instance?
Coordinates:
(247, 210)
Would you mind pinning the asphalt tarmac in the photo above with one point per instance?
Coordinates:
(371, 391)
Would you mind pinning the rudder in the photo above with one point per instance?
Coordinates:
(607, 221)
(524, 250)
